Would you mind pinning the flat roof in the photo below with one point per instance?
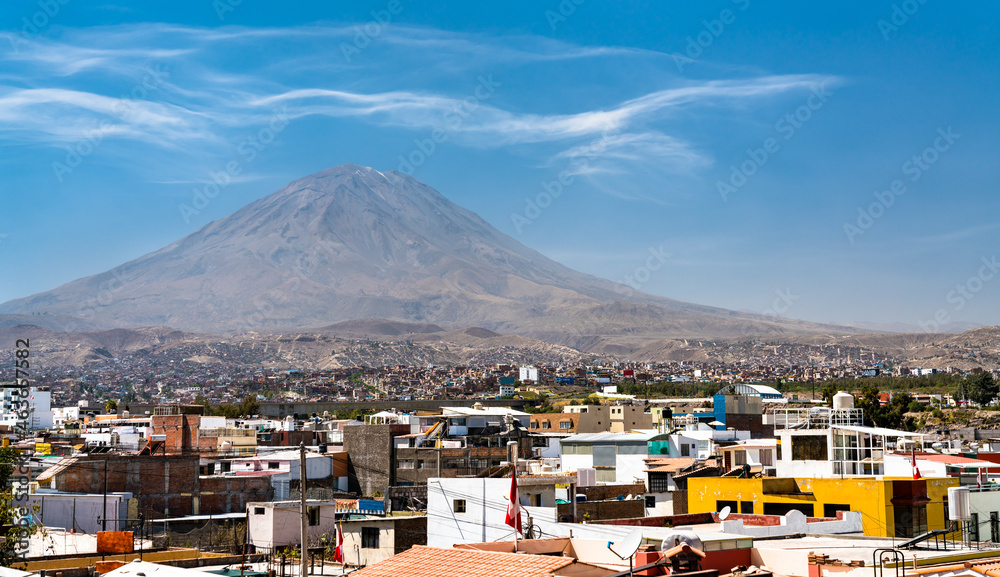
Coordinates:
(881, 431)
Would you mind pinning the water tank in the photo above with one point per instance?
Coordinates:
(125, 414)
(675, 538)
(227, 446)
(959, 508)
(322, 449)
(843, 400)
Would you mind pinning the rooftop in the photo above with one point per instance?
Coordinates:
(422, 561)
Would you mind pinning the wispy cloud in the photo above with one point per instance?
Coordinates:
(56, 91)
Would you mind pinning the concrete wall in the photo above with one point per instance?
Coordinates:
(794, 522)
(371, 466)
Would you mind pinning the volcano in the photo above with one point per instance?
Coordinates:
(353, 243)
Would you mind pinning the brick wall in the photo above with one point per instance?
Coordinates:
(604, 510)
(164, 484)
(605, 492)
(664, 521)
(409, 531)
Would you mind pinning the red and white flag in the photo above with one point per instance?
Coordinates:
(338, 552)
(514, 507)
(916, 471)
(979, 480)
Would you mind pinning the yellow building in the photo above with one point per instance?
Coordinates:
(898, 507)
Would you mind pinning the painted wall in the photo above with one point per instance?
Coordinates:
(869, 495)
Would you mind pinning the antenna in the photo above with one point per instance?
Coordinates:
(724, 513)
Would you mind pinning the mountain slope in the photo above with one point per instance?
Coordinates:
(353, 243)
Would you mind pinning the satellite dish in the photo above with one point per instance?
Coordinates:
(724, 513)
(627, 546)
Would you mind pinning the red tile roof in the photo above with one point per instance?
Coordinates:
(421, 561)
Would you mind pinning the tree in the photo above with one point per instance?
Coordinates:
(828, 392)
(111, 406)
(981, 388)
(9, 554)
(890, 415)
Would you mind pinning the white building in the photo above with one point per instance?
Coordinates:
(40, 415)
(528, 374)
(62, 415)
(283, 467)
(278, 523)
(507, 390)
(472, 510)
(618, 457)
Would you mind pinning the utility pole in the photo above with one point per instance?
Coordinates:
(302, 504)
(104, 515)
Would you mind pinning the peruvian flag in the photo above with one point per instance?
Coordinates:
(980, 478)
(916, 471)
(514, 507)
(338, 552)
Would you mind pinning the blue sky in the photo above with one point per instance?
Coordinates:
(834, 162)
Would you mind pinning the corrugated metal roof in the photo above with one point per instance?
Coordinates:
(611, 437)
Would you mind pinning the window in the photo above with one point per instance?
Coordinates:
(766, 458)
(406, 463)
(809, 448)
(534, 424)
(733, 505)
(739, 458)
(685, 450)
(831, 509)
(650, 501)
(225, 467)
(782, 508)
(659, 482)
(746, 507)
(313, 513)
(273, 465)
(420, 463)
(546, 425)
(369, 537)
(458, 505)
(258, 510)
(565, 425)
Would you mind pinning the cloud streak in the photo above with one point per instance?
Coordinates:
(54, 92)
